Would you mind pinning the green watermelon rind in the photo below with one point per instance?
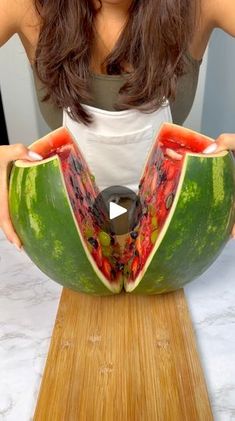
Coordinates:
(43, 218)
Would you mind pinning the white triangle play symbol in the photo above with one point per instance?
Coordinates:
(115, 210)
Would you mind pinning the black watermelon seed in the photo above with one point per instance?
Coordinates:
(120, 266)
(112, 242)
(81, 213)
(145, 211)
(79, 166)
(141, 183)
(71, 181)
(134, 234)
(96, 213)
(79, 196)
(88, 196)
(169, 200)
(136, 253)
(93, 242)
(158, 165)
(162, 176)
(76, 165)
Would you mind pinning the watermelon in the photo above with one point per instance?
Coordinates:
(187, 215)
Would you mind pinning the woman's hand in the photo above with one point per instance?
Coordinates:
(7, 155)
(224, 142)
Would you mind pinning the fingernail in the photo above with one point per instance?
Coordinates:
(34, 155)
(211, 148)
(18, 248)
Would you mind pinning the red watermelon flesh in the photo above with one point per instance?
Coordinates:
(157, 190)
(82, 192)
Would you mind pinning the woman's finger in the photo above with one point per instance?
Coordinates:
(17, 151)
(233, 231)
(5, 221)
(10, 233)
(224, 142)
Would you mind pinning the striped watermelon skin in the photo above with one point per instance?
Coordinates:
(199, 228)
(43, 219)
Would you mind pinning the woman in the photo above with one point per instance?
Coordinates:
(84, 53)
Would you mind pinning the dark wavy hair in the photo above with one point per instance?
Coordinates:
(153, 41)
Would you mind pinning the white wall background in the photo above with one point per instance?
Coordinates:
(218, 113)
(23, 119)
(194, 119)
(24, 122)
(17, 93)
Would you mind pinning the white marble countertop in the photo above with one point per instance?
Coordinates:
(28, 306)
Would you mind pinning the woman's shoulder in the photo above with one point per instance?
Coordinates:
(19, 17)
(10, 12)
(211, 14)
(219, 14)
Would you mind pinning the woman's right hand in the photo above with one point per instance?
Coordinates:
(7, 155)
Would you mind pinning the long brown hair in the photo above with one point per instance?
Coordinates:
(153, 42)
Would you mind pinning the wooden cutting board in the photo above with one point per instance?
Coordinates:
(123, 358)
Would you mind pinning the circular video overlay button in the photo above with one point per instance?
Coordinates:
(117, 210)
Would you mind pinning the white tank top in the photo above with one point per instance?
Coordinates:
(117, 143)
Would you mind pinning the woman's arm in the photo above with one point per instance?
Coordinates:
(10, 17)
(12, 14)
(222, 14)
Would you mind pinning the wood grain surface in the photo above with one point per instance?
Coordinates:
(123, 358)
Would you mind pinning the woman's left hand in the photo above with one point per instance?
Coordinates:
(224, 142)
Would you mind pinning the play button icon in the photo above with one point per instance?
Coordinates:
(117, 210)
